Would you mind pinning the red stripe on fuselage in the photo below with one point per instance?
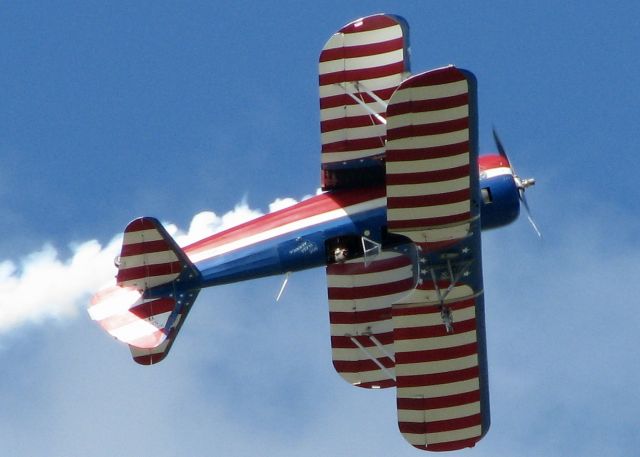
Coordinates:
(312, 207)
(488, 161)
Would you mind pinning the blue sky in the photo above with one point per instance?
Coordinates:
(112, 111)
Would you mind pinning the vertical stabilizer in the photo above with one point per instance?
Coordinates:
(156, 286)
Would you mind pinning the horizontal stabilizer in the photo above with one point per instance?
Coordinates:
(127, 316)
(149, 356)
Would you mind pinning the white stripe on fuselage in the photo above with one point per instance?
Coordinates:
(289, 228)
(493, 172)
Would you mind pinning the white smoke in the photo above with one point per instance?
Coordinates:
(207, 223)
(42, 286)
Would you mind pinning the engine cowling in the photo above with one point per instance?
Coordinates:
(500, 194)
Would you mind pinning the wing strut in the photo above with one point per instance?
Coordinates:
(370, 250)
(445, 311)
(379, 345)
(370, 356)
(454, 279)
(283, 286)
(358, 86)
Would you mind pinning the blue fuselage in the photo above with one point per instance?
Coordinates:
(303, 235)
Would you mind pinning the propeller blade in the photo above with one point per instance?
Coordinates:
(522, 184)
(498, 143)
(502, 151)
(529, 216)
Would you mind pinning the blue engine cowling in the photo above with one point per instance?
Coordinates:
(500, 194)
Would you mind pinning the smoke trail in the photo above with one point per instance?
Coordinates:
(42, 286)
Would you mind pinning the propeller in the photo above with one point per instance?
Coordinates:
(521, 184)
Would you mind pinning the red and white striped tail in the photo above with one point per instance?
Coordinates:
(127, 316)
(149, 256)
(147, 322)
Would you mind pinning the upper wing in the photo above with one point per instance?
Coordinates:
(430, 161)
(360, 67)
(432, 198)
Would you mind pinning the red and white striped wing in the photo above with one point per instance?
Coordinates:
(438, 374)
(428, 161)
(360, 299)
(439, 327)
(360, 67)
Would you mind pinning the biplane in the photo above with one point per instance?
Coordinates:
(397, 229)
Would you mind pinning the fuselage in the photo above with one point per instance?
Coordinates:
(304, 235)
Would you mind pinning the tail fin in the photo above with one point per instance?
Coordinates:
(156, 286)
